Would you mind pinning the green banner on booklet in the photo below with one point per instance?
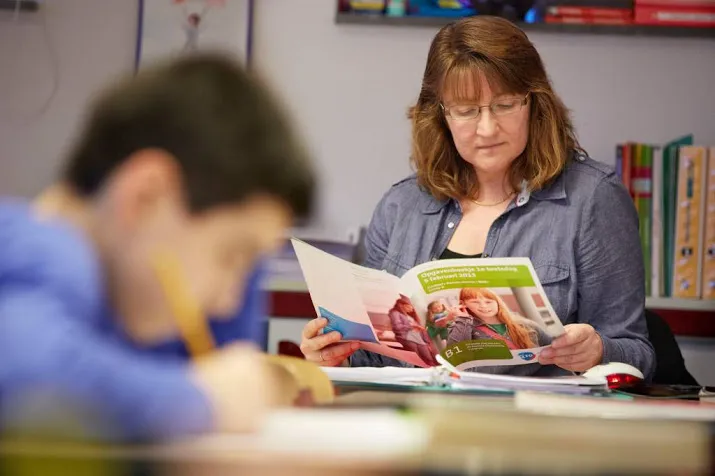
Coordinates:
(454, 277)
(471, 350)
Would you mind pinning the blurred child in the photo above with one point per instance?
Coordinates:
(190, 160)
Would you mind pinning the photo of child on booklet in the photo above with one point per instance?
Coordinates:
(471, 312)
(485, 314)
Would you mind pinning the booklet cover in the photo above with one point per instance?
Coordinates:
(471, 312)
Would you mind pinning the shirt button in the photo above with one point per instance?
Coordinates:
(521, 201)
(450, 225)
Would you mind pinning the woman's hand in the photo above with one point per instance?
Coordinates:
(323, 349)
(578, 349)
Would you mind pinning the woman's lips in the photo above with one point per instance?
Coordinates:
(490, 146)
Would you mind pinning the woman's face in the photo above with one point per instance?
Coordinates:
(437, 308)
(489, 143)
(482, 307)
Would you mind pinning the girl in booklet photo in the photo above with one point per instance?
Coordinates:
(439, 320)
(409, 332)
(486, 316)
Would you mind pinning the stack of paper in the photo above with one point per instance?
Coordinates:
(569, 384)
(462, 381)
(383, 375)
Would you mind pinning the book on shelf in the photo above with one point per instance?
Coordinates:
(594, 12)
(687, 13)
(708, 263)
(670, 186)
(690, 222)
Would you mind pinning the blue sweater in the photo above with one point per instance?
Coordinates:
(59, 341)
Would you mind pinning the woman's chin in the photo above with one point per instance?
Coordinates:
(488, 164)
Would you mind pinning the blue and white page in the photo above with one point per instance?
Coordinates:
(365, 305)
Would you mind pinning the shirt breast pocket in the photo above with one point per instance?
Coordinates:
(555, 279)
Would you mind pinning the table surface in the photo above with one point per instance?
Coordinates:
(467, 433)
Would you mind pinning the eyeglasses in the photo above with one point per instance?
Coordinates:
(502, 107)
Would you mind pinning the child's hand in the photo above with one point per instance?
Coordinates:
(444, 322)
(459, 311)
(240, 385)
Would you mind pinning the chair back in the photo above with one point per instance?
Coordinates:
(670, 364)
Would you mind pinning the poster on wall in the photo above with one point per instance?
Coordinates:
(174, 27)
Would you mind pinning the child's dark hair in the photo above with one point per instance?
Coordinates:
(230, 139)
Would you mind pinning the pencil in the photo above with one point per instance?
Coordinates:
(190, 319)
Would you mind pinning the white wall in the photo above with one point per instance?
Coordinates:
(77, 44)
(51, 63)
(350, 86)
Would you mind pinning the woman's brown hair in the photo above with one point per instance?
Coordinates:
(497, 50)
(519, 335)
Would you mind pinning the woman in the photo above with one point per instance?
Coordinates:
(489, 318)
(499, 172)
(409, 332)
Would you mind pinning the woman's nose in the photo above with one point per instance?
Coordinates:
(486, 124)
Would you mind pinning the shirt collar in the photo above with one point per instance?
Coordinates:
(556, 190)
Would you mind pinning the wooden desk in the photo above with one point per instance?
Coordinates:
(487, 432)
(467, 435)
(78, 459)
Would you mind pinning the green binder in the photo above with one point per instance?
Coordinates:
(670, 186)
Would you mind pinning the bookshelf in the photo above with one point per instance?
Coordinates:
(625, 30)
(675, 304)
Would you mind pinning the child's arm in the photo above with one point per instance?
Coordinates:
(45, 349)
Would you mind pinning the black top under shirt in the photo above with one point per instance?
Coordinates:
(449, 254)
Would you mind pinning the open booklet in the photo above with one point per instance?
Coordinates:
(465, 312)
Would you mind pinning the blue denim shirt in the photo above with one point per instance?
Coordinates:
(580, 232)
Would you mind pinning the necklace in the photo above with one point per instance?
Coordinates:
(493, 204)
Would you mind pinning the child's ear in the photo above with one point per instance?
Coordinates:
(146, 181)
